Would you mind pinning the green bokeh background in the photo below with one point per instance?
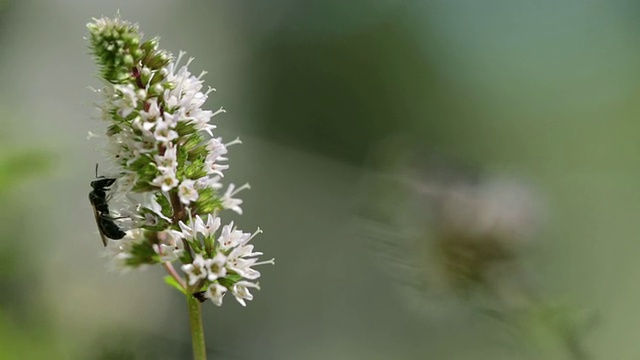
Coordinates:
(542, 90)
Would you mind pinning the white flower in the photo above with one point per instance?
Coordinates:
(152, 115)
(187, 192)
(216, 267)
(168, 161)
(230, 237)
(119, 251)
(171, 246)
(125, 99)
(237, 263)
(150, 203)
(228, 202)
(243, 267)
(171, 119)
(208, 228)
(241, 291)
(216, 149)
(215, 168)
(163, 132)
(216, 292)
(166, 181)
(196, 270)
(190, 232)
(212, 182)
(123, 185)
(242, 258)
(202, 121)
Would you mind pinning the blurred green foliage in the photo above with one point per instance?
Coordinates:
(340, 95)
(18, 166)
(24, 341)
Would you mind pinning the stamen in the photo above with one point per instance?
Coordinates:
(234, 142)
(219, 111)
(243, 187)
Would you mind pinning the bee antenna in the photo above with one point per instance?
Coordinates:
(96, 170)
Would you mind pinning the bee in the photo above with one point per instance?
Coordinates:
(98, 198)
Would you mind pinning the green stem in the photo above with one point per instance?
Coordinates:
(197, 333)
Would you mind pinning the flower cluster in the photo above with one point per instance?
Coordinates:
(170, 166)
(227, 261)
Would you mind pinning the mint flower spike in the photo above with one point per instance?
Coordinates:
(170, 167)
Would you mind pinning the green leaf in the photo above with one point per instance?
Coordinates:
(164, 203)
(169, 280)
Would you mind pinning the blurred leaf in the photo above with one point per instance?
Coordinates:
(549, 327)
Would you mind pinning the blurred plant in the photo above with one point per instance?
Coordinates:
(18, 341)
(19, 309)
(169, 174)
(15, 167)
(456, 238)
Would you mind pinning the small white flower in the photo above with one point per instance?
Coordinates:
(163, 133)
(216, 292)
(216, 267)
(197, 225)
(171, 119)
(215, 168)
(241, 259)
(243, 267)
(166, 181)
(201, 119)
(208, 228)
(216, 149)
(196, 270)
(241, 291)
(187, 191)
(125, 99)
(152, 115)
(230, 237)
(124, 184)
(167, 253)
(212, 182)
(228, 202)
(171, 246)
(118, 251)
(189, 233)
(168, 161)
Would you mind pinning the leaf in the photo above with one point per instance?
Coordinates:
(169, 280)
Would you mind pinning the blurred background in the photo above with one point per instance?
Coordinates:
(371, 130)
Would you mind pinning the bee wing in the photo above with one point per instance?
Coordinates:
(98, 217)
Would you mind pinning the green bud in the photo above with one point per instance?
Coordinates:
(128, 60)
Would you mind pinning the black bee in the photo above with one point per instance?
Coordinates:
(98, 198)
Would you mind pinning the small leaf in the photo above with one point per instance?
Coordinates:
(169, 280)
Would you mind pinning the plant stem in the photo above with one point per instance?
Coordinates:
(197, 333)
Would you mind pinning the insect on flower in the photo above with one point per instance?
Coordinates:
(98, 198)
